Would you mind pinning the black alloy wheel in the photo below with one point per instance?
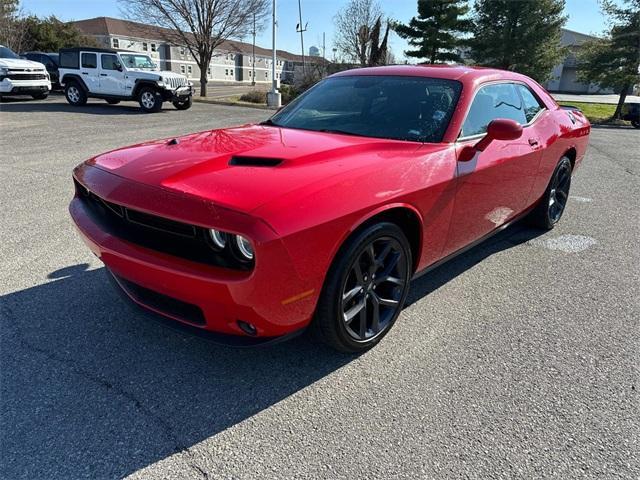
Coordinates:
(365, 289)
(554, 201)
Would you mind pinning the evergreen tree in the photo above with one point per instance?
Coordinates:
(523, 35)
(614, 61)
(437, 29)
(50, 34)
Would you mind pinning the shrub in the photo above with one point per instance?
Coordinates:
(254, 96)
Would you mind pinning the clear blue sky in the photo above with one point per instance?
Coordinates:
(584, 16)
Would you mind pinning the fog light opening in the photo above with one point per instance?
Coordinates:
(247, 328)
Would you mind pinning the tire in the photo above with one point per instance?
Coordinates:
(636, 123)
(186, 105)
(113, 102)
(351, 296)
(554, 201)
(40, 96)
(75, 95)
(150, 100)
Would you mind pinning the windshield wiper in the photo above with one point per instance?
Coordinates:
(341, 132)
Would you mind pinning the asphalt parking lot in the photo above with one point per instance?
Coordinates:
(519, 359)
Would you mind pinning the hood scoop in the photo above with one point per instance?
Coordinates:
(254, 161)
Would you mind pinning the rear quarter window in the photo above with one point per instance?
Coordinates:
(69, 60)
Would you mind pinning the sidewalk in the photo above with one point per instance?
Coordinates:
(593, 98)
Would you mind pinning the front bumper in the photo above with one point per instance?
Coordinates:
(180, 94)
(222, 296)
(24, 87)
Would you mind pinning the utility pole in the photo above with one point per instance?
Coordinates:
(324, 58)
(274, 100)
(253, 53)
(301, 29)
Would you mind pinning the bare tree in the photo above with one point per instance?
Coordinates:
(12, 27)
(200, 25)
(354, 25)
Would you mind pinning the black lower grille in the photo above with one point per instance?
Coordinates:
(26, 76)
(156, 233)
(163, 303)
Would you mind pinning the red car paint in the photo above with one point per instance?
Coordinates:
(298, 213)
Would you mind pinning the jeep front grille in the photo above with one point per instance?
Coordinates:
(176, 82)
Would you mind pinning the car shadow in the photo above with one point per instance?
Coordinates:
(93, 107)
(90, 389)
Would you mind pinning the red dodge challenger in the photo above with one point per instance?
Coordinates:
(320, 216)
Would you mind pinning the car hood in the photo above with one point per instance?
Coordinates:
(246, 167)
(20, 63)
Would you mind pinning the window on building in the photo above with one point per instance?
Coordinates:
(183, 69)
(153, 47)
(266, 74)
(189, 70)
(250, 72)
(145, 46)
(116, 43)
(183, 50)
(89, 60)
(209, 72)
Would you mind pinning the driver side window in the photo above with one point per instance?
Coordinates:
(109, 62)
(500, 100)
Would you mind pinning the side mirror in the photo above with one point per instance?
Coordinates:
(498, 129)
(119, 67)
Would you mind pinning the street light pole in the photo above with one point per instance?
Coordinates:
(274, 100)
(253, 53)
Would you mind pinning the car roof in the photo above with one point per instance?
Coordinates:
(93, 49)
(464, 73)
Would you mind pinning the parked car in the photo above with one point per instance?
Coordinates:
(19, 76)
(631, 112)
(50, 62)
(115, 75)
(320, 216)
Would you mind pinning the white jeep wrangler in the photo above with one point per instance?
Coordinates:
(22, 77)
(116, 75)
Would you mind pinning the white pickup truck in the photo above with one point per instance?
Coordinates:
(115, 75)
(22, 77)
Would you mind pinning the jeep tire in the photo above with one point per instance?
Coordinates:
(150, 100)
(75, 94)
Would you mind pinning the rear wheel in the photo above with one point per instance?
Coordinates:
(365, 289)
(551, 207)
(150, 100)
(635, 123)
(75, 94)
(184, 104)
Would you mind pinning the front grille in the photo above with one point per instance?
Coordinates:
(163, 303)
(176, 82)
(26, 76)
(156, 233)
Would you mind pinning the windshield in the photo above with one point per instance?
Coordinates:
(137, 61)
(7, 53)
(395, 107)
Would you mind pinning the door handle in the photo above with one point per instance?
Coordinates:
(85, 73)
(533, 142)
(103, 75)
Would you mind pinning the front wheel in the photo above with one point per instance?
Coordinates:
(150, 100)
(184, 104)
(635, 123)
(365, 289)
(551, 207)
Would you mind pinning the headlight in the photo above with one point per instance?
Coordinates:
(244, 247)
(4, 70)
(218, 238)
(237, 245)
